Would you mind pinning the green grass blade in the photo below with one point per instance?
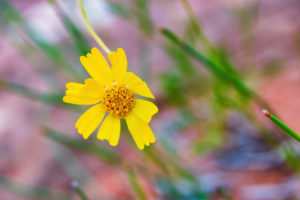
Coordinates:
(69, 162)
(11, 16)
(211, 51)
(196, 26)
(209, 64)
(32, 192)
(81, 43)
(78, 190)
(120, 10)
(83, 146)
(54, 99)
(217, 71)
(53, 51)
(282, 125)
(136, 186)
(143, 17)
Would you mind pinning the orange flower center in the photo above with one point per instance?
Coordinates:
(118, 101)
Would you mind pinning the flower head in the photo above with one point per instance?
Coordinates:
(113, 90)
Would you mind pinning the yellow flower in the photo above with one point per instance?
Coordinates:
(113, 91)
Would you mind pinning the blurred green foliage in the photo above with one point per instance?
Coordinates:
(216, 87)
(87, 147)
(32, 192)
(136, 186)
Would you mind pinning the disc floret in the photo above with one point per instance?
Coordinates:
(119, 101)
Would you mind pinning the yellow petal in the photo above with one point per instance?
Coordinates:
(91, 92)
(137, 85)
(110, 130)
(72, 85)
(145, 109)
(130, 78)
(93, 88)
(89, 120)
(96, 65)
(118, 62)
(80, 101)
(140, 130)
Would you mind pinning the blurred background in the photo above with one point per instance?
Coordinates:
(212, 65)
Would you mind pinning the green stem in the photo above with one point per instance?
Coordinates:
(78, 190)
(26, 191)
(86, 147)
(54, 99)
(91, 30)
(216, 70)
(136, 186)
(197, 28)
(209, 64)
(209, 49)
(282, 125)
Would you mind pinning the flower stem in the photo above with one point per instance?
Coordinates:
(91, 30)
(289, 131)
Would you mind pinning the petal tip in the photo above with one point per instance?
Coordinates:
(82, 58)
(65, 99)
(141, 147)
(113, 144)
(152, 96)
(85, 137)
(95, 50)
(120, 50)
